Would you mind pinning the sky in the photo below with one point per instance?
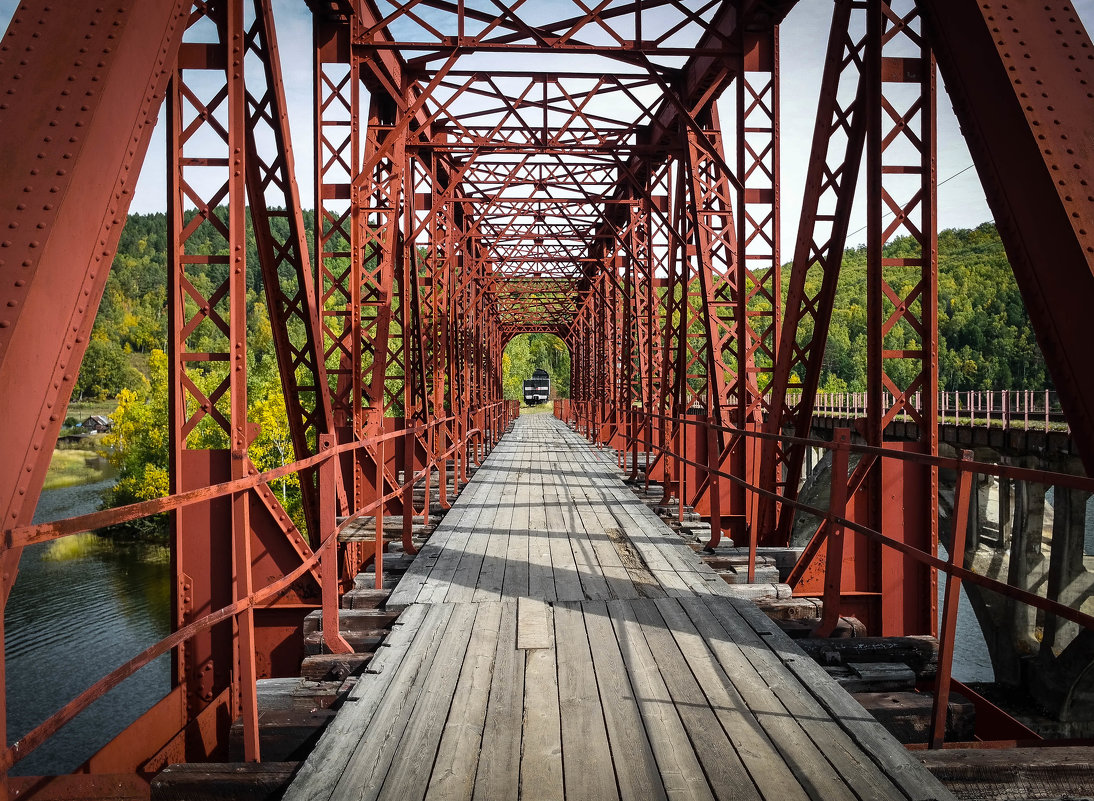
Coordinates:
(803, 41)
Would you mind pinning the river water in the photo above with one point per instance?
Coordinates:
(80, 607)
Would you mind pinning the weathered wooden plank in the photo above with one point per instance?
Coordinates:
(515, 583)
(869, 735)
(802, 756)
(541, 581)
(541, 755)
(411, 765)
(499, 775)
(323, 768)
(491, 576)
(455, 577)
(465, 578)
(571, 494)
(726, 773)
(436, 561)
(681, 773)
(534, 624)
(586, 755)
(635, 766)
(368, 765)
(762, 760)
(246, 781)
(615, 574)
(593, 583)
(453, 774)
(563, 565)
(850, 762)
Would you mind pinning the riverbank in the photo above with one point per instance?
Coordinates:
(76, 467)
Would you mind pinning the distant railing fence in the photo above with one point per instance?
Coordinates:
(1035, 410)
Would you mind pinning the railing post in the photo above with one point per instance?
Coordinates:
(442, 462)
(1046, 410)
(378, 542)
(328, 559)
(465, 443)
(245, 626)
(714, 488)
(837, 510)
(947, 626)
(410, 448)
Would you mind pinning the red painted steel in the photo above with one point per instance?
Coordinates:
(902, 325)
(1019, 76)
(835, 156)
(82, 87)
(457, 208)
(947, 625)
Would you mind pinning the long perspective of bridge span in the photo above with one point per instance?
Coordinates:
(691, 574)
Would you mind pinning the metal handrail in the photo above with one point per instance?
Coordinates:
(584, 416)
(501, 412)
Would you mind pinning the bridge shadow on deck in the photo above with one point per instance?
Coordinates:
(559, 641)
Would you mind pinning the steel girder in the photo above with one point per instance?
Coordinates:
(838, 138)
(874, 97)
(217, 110)
(75, 130)
(1019, 76)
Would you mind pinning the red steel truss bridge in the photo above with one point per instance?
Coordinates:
(607, 171)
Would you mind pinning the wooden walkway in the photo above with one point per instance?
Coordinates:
(559, 642)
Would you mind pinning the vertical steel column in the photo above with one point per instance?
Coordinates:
(83, 85)
(835, 157)
(337, 114)
(286, 268)
(209, 431)
(678, 354)
(902, 335)
(758, 213)
(240, 433)
(637, 284)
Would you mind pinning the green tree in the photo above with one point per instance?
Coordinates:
(105, 372)
(137, 446)
(527, 353)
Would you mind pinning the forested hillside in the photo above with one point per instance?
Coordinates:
(985, 338)
(527, 353)
(985, 342)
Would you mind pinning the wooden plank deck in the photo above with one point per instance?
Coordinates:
(560, 642)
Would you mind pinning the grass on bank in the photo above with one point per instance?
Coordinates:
(70, 468)
(81, 410)
(542, 408)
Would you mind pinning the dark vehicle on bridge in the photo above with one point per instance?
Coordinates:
(537, 389)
